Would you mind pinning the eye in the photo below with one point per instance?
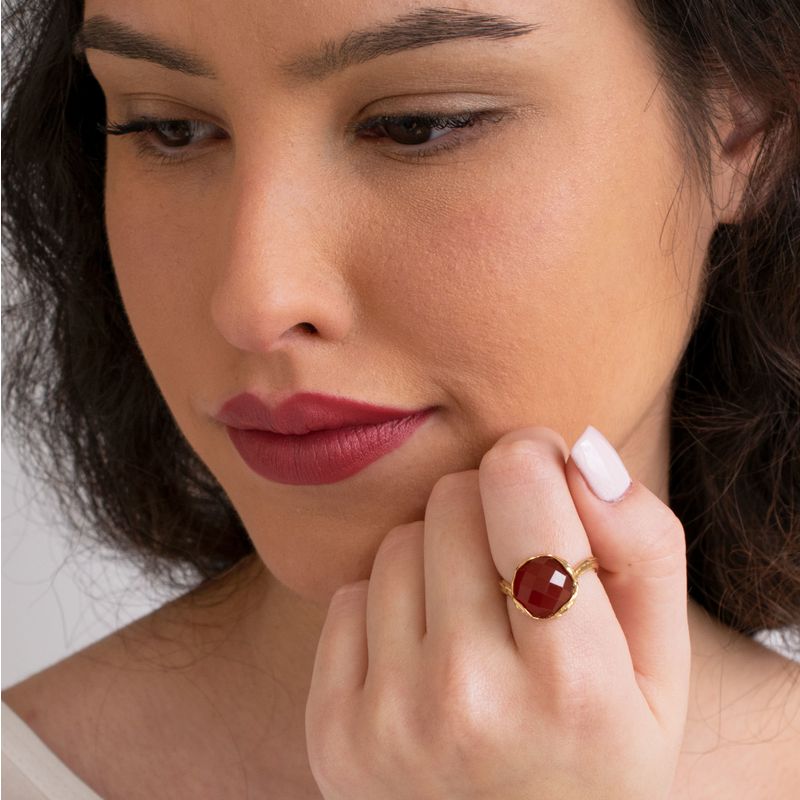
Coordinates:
(173, 134)
(413, 130)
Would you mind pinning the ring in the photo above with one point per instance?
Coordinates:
(545, 586)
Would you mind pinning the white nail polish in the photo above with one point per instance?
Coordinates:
(601, 465)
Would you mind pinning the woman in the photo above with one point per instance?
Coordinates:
(558, 241)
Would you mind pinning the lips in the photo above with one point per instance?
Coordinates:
(304, 412)
(314, 439)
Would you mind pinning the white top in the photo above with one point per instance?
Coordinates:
(31, 770)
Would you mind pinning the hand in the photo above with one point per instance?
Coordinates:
(430, 684)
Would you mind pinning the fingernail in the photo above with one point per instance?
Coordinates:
(601, 465)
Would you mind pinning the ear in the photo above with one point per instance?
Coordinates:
(740, 134)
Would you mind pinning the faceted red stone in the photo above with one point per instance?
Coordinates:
(542, 585)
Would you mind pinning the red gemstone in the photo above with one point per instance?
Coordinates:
(542, 585)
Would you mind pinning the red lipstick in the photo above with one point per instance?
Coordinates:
(312, 438)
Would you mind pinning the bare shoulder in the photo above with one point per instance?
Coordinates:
(126, 670)
(64, 705)
(78, 681)
(85, 678)
(87, 681)
(128, 716)
(99, 707)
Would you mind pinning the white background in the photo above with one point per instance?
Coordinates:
(56, 597)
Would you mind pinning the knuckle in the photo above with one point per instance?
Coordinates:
(465, 736)
(464, 739)
(578, 700)
(349, 592)
(542, 441)
(669, 525)
(465, 721)
(662, 547)
(520, 463)
(538, 434)
(400, 539)
(326, 746)
(391, 717)
(405, 533)
(573, 683)
(454, 484)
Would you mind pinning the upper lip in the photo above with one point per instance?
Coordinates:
(304, 412)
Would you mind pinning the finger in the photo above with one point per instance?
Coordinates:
(340, 663)
(461, 594)
(641, 547)
(396, 600)
(529, 511)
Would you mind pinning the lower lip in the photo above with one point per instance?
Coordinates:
(321, 456)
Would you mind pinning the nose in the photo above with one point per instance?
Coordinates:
(274, 275)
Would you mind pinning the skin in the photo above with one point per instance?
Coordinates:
(562, 249)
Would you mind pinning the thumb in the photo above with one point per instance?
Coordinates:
(641, 549)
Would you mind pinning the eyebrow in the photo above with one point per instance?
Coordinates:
(419, 28)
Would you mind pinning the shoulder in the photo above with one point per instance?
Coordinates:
(63, 704)
(68, 691)
(123, 714)
(31, 768)
(98, 705)
(96, 678)
(47, 703)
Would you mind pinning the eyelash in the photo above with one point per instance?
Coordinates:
(142, 126)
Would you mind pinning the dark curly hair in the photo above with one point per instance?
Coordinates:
(92, 424)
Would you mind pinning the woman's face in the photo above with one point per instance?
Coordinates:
(543, 270)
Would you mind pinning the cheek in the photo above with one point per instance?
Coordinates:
(150, 238)
(548, 299)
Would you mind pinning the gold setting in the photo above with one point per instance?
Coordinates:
(587, 564)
